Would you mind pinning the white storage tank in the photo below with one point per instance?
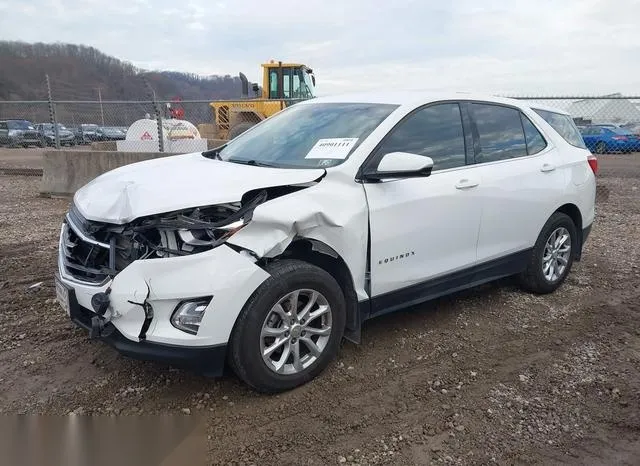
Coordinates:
(180, 136)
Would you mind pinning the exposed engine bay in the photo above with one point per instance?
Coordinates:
(95, 251)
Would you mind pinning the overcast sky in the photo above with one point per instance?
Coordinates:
(537, 47)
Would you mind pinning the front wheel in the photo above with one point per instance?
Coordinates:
(552, 255)
(601, 147)
(290, 328)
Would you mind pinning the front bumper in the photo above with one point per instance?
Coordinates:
(163, 283)
(19, 140)
(206, 360)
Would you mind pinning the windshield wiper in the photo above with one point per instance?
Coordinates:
(253, 163)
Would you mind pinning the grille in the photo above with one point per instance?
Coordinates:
(83, 257)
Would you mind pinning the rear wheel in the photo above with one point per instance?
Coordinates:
(290, 329)
(240, 128)
(552, 255)
(601, 147)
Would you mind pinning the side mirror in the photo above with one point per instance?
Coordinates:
(400, 165)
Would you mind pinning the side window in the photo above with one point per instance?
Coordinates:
(296, 92)
(533, 138)
(434, 131)
(500, 132)
(273, 84)
(564, 125)
(286, 82)
(3, 125)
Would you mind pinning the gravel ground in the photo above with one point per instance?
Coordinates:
(490, 375)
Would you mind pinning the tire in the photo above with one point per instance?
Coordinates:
(533, 278)
(601, 147)
(240, 128)
(246, 344)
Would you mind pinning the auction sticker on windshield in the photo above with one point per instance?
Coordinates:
(333, 148)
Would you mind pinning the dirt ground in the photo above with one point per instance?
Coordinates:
(491, 375)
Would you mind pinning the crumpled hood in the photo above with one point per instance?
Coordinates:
(177, 182)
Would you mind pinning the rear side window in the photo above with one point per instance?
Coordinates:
(535, 141)
(564, 126)
(3, 125)
(500, 133)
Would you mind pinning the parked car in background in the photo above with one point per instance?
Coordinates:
(48, 135)
(604, 139)
(107, 133)
(85, 133)
(16, 133)
(633, 127)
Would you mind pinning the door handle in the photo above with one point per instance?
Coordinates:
(547, 167)
(466, 184)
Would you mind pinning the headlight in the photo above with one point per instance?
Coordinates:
(209, 237)
(189, 314)
(184, 232)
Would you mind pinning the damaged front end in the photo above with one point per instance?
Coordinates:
(95, 252)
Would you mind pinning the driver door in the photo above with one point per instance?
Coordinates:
(423, 229)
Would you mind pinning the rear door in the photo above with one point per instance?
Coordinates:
(522, 176)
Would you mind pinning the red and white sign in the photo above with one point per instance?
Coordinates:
(146, 136)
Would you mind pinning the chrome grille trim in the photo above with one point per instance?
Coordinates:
(69, 265)
(78, 231)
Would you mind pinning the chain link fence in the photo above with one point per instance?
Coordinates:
(142, 126)
(609, 124)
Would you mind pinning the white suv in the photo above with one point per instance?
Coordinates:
(266, 252)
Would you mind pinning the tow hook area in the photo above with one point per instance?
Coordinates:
(148, 314)
(100, 304)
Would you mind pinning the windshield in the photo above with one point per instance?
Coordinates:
(89, 127)
(621, 131)
(307, 135)
(49, 126)
(19, 124)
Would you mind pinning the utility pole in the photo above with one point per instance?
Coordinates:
(158, 114)
(52, 113)
(101, 109)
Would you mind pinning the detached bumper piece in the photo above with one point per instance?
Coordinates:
(208, 361)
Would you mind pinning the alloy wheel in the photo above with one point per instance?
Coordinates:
(296, 331)
(557, 252)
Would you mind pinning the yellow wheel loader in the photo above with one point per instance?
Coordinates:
(283, 84)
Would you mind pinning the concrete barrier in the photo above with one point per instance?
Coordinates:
(111, 145)
(213, 143)
(104, 145)
(65, 171)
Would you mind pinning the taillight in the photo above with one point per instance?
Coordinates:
(593, 163)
